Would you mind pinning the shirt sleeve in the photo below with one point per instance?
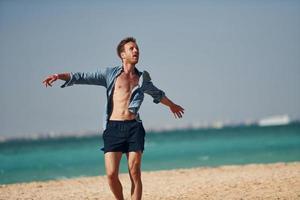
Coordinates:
(151, 89)
(88, 78)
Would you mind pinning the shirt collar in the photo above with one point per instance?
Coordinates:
(121, 69)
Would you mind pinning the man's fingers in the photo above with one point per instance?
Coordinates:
(179, 114)
(48, 81)
(48, 84)
(45, 82)
(177, 110)
(181, 109)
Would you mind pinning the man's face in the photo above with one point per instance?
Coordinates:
(130, 53)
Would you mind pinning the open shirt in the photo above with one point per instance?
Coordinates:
(107, 77)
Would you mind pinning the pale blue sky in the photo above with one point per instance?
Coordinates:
(220, 60)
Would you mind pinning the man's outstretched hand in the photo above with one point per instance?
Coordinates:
(50, 79)
(177, 110)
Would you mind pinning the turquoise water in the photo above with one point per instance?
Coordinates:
(23, 161)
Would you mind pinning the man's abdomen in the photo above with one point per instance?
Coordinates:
(120, 112)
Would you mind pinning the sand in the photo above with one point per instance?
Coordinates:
(255, 181)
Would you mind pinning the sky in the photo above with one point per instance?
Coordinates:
(221, 60)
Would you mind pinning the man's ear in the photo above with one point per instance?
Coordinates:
(122, 55)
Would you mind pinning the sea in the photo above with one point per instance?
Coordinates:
(69, 157)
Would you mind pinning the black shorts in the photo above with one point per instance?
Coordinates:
(124, 136)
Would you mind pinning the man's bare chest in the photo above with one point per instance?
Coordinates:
(126, 82)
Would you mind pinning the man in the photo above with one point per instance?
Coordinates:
(123, 129)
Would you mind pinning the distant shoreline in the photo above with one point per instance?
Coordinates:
(252, 181)
(89, 134)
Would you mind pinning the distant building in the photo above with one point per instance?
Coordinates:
(274, 120)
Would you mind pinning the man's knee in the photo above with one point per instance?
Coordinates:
(112, 175)
(135, 171)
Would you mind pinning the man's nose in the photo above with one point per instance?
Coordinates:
(135, 50)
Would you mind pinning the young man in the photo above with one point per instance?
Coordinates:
(123, 129)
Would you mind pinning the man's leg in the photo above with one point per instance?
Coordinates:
(112, 163)
(134, 167)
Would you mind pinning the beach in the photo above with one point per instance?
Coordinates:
(252, 181)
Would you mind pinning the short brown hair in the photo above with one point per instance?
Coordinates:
(120, 47)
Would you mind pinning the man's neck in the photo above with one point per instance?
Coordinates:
(128, 68)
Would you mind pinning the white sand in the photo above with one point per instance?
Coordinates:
(270, 181)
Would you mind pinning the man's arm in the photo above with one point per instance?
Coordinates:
(177, 110)
(160, 97)
(88, 78)
(50, 79)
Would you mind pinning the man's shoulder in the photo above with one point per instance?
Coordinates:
(146, 75)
